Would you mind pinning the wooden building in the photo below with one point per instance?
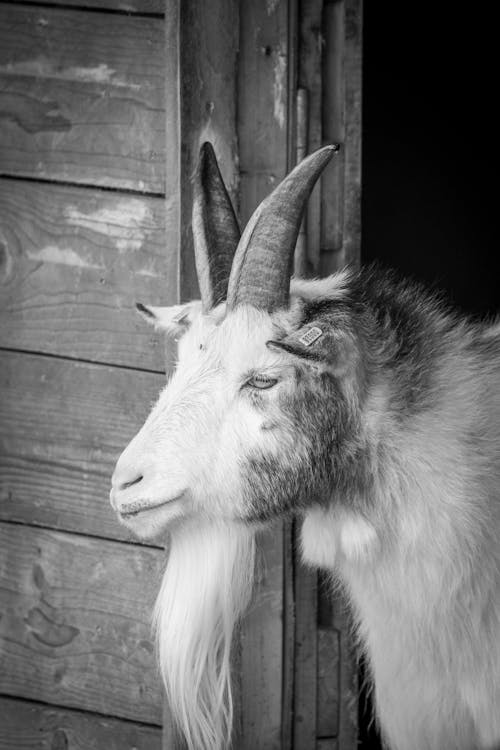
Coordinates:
(103, 105)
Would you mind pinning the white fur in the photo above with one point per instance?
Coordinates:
(206, 587)
(422, 571)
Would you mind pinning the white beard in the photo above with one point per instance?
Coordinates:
(205, 589)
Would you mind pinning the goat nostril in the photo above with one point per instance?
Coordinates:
(126, 485)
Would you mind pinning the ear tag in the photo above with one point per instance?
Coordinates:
(181, 317)
(310, 336)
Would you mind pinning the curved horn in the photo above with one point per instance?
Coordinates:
(262, 266)
(215, 230)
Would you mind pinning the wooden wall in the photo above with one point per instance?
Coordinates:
(83, 232)
(103, 105)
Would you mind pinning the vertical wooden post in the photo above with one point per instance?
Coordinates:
(202, 48)
(353, 33)
(341, 118)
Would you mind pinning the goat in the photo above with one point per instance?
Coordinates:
(360, 404)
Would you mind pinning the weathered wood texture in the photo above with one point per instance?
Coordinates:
(63, 424)
(310, 80)
(353, 121)
(74, 261)
(82, 97)
(262, 133)
(328, 706)
(332, 209)
(262, 650)
(205, 35)
(31, 726)
(348, 685)
(74, 624)
(306, 715)
(341, 122)
(123, 6)
(329, 743)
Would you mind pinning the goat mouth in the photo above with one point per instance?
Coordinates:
(135, 509)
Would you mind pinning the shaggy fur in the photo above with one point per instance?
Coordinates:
(205, 589)
(384, 436)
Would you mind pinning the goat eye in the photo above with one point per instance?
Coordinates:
(262, 382)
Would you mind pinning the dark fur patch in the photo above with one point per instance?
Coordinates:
(382, 330)
(320, 453)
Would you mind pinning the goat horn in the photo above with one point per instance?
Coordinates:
(262, 265)
(215, 230)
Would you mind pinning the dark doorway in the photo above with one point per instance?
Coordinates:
(430, 147)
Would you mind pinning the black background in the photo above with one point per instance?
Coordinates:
(430, 85)
(430, 164)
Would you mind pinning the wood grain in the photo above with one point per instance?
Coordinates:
(330, 743)
(353, 67)
(123, 6)
(332, 195)
(310, 79)
(348, 685)
(75, 622)
(32, 726)
(328, 682)
(342, 94)
(205, 33)
(262, 101)
(82, 97)
(262, 649)
(307, 659)
(63, 424)
(74, 261)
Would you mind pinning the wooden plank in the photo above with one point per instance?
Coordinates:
(32, 726)
(63, 424)
(342, 91)
(310, 79)
(327, 743)
(82, 97)
(262, 650)
(75, 622)
(332, 195)
(353, 59)
(288, 651)
(348, 685)
(74, 262)
(306, 659)
(328, 683)
(262, 101)
(206, 35)
(123, 6)
(262, 131)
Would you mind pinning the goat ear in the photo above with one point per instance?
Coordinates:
(215, 230)
(173, 319)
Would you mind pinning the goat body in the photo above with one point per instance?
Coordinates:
(416, 548)
(365, 407)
